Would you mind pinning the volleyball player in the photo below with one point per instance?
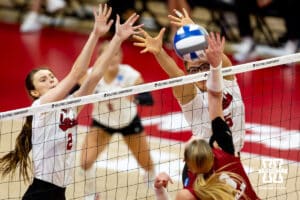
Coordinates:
(119, 115)
(214, 172)
(52, 135)
(192, 97)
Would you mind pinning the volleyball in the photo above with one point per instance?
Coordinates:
(190, 42)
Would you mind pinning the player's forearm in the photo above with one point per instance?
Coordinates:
(215, 86)
(82, 62)
(103, 60)
(100, 66)
(168, 64)
(161, 194)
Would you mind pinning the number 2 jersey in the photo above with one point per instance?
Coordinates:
(197, 115)
(53, 145)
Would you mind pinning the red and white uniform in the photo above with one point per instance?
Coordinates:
(53, 145)
(119, 112)
(233, 164)
(197, 116)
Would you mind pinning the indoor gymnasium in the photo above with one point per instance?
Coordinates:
(268, 80)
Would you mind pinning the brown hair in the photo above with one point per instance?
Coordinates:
(199, 153)
(19, 157)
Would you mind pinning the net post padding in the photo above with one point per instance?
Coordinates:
(246, 67)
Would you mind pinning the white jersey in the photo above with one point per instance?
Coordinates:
(53, 145)
(119, 112)
(197, 115)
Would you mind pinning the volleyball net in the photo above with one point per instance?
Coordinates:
(270, 154)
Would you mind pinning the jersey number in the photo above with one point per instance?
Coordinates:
(70, 141)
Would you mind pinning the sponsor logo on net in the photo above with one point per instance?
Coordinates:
(272, 171)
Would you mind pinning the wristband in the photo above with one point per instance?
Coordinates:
(215, 79)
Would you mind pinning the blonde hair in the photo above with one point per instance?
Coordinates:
(215, 188)
(198, 153)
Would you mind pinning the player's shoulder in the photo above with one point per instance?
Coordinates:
(36, 102)
(128, 72)
(126, 67)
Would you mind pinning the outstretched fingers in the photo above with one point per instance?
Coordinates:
(104, 9)
(186, 14)
(137, 28)
(132, 19)
(174, 19)
(139, 38)
(118, 20)
(178, 13)
(161, 33)
(108, 13)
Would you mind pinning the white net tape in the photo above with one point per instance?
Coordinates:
(262, 64)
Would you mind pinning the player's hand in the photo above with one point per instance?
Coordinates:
(162, 180)
(102, 25)
(150, 44)
(180, 19)
(214, 51)
(124, 31)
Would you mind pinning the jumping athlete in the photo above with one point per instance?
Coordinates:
(193, 97)
(213, 171)
(119, 115)
(52, 135)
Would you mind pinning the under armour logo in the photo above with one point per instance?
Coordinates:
(272, 170)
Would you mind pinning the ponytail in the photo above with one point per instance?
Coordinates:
(215, 187)
(19, 157)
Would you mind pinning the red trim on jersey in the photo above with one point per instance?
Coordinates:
(233, 164)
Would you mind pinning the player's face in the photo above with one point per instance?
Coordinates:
(198, 67)
(43, 81)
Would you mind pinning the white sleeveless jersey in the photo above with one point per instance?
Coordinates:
(197, 115)
(119, 112)
(53, 145)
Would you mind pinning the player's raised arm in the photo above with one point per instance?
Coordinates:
(80, 66)
(123, 31)
(154, 45)
(221, 136)
(214, 83)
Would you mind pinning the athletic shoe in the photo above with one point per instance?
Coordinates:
(31, 23)
(243, 49)
(54, 5)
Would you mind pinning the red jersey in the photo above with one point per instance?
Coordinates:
(233, 164)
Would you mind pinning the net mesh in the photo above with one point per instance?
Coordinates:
(270, 154)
